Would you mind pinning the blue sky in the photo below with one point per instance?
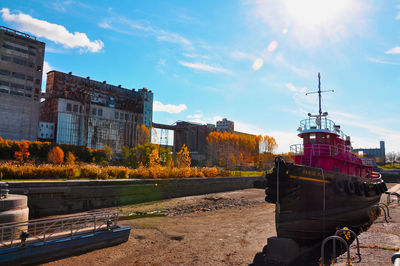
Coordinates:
(250, 61)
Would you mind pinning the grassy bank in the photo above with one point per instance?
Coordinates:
(9, 172)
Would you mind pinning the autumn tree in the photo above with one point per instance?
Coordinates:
(108, 153)
(23, 152)
(142, 134)
(183, 158)
(70, 158)
(154, 158)
(56, 155)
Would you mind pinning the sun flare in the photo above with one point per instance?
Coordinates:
(316, 13)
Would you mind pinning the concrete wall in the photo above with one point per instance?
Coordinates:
(47, 198)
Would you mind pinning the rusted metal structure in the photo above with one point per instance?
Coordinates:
(95, 114)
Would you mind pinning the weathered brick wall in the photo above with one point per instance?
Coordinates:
(47, 198)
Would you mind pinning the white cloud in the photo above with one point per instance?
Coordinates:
(283, 138)
(168, 108)
(394, 50)
(309, 22)
(242, 55)
(204, 67)
(390, 136)
(52, 32)
(380, 61)
(46, 68)
(124, 25)
(199, 118)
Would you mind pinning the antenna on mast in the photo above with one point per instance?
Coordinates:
(319, 93)
(319, 99)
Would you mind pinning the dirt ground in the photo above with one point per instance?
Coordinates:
(215, 229)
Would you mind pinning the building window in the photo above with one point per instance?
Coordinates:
(19, 61)
(100, 112)
(18, 75)
(75, 108)
(121, 115)
(94, 111)
(30, 78)
(126, 116)
(17, 86)
(69, 107)
(4, 72)
(5, 83)
(28, 88)
(6, 58)
(116, 115)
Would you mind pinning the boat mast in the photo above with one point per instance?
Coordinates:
(319, 94)
(320, 115)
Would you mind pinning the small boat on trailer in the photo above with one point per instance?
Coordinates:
(326, 188)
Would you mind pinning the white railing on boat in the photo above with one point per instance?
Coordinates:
(17, 234)
(320, 123)
(319, 149)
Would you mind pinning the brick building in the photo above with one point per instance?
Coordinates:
(94, 114)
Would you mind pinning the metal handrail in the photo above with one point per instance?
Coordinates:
(334, 238)
(357, 242)
(18, 233)
(319, 149)
(320, 123)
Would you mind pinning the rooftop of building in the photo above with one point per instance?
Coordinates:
(102, 84)
(20, 34)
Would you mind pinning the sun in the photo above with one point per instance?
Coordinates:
(316, 14)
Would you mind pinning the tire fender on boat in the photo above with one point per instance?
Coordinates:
(360, 189)
(377, 189)
(384, 187)
(350, 187)
(366, 190)
(339, 185)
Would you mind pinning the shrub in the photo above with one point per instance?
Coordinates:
(56, 155)
(70, 159)
(23, 152)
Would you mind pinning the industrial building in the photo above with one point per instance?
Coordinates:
(194, 135)
(92, 113)
(376, 154)
(225, 125)
(21, 67)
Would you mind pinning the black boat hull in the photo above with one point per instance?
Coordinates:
(313, 203)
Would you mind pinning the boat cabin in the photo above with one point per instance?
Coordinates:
(326, 146)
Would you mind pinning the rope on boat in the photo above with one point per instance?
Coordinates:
(278, 206)
(323, 201)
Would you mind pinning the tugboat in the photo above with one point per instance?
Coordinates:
(326, 188)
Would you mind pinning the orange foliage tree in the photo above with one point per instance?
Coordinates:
(183, 158)
(142, 134)
(56, 155)
(231, 149)
(23, 152)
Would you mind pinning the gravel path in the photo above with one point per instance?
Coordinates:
(215, 229)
